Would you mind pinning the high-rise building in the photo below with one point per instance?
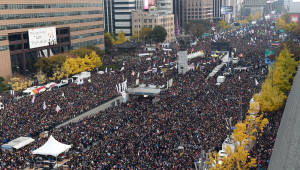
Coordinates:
(32, 29)
(165, 6)
(151, 19)
(109, 15)
(186, 11)
(254, 6)
(122, 18)
(178, 15)
(217, 5)
(197, 10)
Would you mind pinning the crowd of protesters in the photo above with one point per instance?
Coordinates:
(169, 131)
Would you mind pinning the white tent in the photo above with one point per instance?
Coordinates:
(18, 143)
(52, 147)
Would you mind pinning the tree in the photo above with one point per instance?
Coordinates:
(145, 34)
(270, 98)
(80, 52)
(135, 36)
(109, 40)
(3, 85)
(159, 34)
(196, 30)
(41, 77)
(47, 65)
(223, 25)
(285, 68)
(121, 38)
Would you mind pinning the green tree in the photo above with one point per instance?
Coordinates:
(81, 52)
(145, 34)
(109, 40)
(121, 38)
(47, 65)
(223, 25)
(196, 30)
(135, 36)
(159, 34)
(3, 85)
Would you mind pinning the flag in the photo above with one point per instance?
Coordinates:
(164, 60)
(44, 106)
(122, 68)
(63, 94)
(106, 70)
(57, 109)
(33, 99)
(138, 76)
(256, 82)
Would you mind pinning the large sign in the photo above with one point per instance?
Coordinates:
(148, 4)
(294, 18)
(226, 10)
(41, 37)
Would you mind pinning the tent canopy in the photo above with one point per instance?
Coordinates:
(18, 143)
(52, 147)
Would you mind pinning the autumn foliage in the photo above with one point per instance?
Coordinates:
(271, 98)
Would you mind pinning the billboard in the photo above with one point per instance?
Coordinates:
(294, 18)
(226, 10)
(148, 4)
(41, 37)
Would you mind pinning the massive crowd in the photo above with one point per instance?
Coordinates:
(169, 131)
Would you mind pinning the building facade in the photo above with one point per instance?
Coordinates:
(217, 5)
(151, 19)
(197, 10)
(165, 6)
(109, 15)
(254, 6)
(122, 16)
(74, 24)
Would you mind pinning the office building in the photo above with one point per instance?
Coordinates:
(109, 15)
(151, 19)
(122, 16)
(253, 6)
(217, 5)
(32, 29)
(165, 6)
(197, 10)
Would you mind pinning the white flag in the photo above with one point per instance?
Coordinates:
(44, 106)
(63, 94)
(117, 88)
(106, 70)
(138, 76)
(33, 99)
(122, 68)
(57, 109)
(256, 82)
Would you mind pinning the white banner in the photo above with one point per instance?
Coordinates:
(41, 37)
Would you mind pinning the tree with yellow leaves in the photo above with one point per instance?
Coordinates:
(223, 25)
(284, 69)
(270, 98)
(234, 160)
(41, 77)
(18, 84)
(121, 38)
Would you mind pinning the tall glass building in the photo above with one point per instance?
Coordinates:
(30, 29)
